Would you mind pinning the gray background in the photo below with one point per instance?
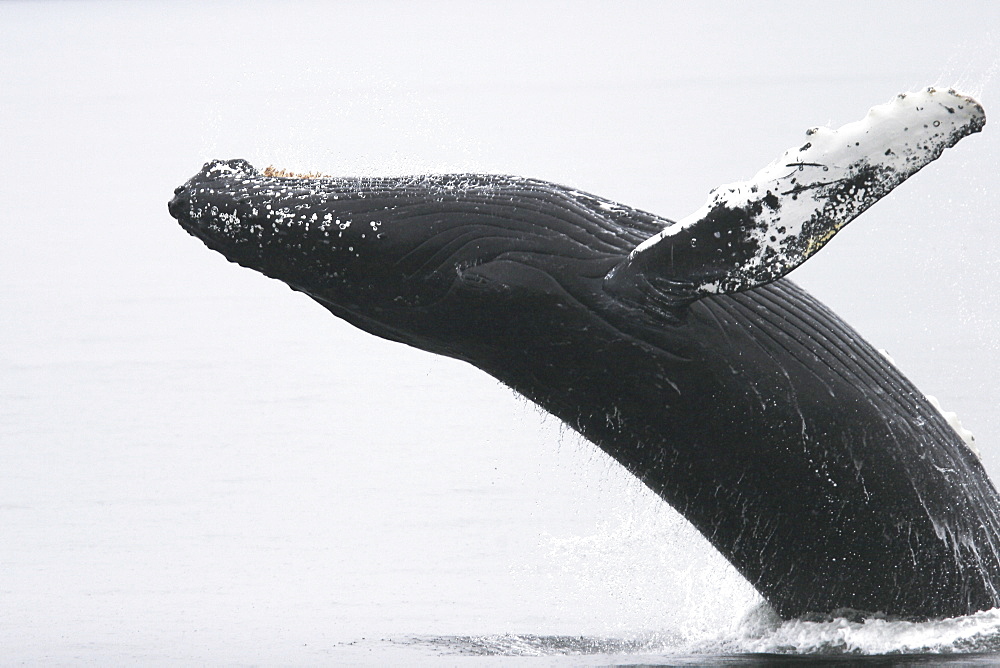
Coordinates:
(198, 464)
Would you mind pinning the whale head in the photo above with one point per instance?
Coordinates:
(442, 262)
(283, 228)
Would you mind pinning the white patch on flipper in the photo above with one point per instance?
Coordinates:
(896, 135)
(793, 206)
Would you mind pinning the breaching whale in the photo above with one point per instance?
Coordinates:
(803, 455)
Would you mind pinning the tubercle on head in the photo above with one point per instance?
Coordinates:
(280, 225)
(237, 167)
(241, 168)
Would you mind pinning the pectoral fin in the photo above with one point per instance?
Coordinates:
(751, 233)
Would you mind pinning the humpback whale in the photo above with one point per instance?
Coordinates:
(679, 348)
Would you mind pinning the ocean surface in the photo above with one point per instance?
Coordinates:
(198, 465)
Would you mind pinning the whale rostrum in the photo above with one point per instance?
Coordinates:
(804, 456)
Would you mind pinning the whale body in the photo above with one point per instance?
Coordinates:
(800, 452)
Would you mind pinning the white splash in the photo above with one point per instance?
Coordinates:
(761, 632)
(840, 635)
(955, 424)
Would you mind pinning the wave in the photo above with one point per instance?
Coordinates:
(849, 633)
(845, 634)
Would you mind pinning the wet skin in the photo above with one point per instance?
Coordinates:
(799, 451)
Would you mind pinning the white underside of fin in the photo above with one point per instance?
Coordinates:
(798, 202)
